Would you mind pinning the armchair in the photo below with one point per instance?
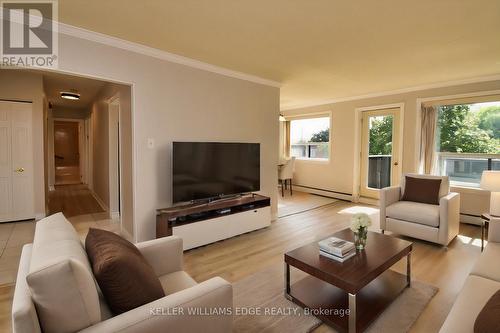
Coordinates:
(434, 223)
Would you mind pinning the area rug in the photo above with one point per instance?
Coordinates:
(261, 307)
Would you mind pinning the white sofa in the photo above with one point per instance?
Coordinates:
(480, 285)
(434, 223)
(56, 290)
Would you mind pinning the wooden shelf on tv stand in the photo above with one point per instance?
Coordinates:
(175, 216)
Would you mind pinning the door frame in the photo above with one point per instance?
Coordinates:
(115, 214)
(358, 113)
(82, 147)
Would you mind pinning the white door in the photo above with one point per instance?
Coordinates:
(16, 162)
(380, 149)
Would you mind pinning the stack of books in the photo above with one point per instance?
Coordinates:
(336, 249)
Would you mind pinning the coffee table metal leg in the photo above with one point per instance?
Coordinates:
(352, 313)
(408, 269)
(482, 236)
(287, 282)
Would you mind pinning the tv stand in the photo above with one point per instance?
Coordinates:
(204, 223)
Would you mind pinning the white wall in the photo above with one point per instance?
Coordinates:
(175, 102)
(338, 174)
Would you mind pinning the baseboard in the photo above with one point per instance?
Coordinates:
(369, 201)
(39, 216)
(114, 215)
(325, 193)
(99, 201)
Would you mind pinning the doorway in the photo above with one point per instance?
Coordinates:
(67, 152)
(380, 150)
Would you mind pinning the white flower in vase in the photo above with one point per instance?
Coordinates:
(360, 220)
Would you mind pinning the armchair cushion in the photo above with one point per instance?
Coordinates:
(415, 212)
(422, 190)
(124, 276)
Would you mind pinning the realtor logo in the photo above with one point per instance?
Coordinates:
(29, 33)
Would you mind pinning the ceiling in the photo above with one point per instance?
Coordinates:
(318, 49)
(55, 83)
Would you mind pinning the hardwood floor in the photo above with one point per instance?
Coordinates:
(244, 255)
(238, 257)
(73, 200)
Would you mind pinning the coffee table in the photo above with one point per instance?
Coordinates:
(363, 284)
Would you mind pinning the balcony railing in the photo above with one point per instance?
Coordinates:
(310, 150)
(379, 171)
(465, 169)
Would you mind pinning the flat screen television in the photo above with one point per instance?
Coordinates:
(206, 170)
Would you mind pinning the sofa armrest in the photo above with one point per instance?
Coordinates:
(449, 217)
(494, 230)
(388, 196)
(163, 254)
(172, 313)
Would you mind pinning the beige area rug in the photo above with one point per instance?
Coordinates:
(263, 292)
(300, 202)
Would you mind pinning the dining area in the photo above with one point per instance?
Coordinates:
(286, 168)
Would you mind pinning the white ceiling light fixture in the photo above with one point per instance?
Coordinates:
(72, 95)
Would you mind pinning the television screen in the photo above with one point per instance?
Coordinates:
(203, 170)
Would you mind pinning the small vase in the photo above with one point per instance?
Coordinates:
(360, 238)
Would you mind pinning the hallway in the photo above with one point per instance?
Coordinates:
(73, 200)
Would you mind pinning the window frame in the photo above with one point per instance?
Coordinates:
(465, 99)
(328, 115)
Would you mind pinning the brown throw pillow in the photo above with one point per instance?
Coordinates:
(424, 190)
(124, 276)
(488, 319)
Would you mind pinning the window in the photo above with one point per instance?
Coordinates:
(468, 141)
(310, 138)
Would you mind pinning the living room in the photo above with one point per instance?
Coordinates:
(217, 87)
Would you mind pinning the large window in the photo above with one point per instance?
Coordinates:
(468, 141)
(310, 138)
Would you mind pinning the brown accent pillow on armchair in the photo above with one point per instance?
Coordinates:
(424, 190)
(125, 277)
(488, 320)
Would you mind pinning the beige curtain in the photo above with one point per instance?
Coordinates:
(428, 139)
(286, 139)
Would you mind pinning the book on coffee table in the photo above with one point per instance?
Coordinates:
(336, 246)
(348, 255)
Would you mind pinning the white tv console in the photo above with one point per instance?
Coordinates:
(202, 224)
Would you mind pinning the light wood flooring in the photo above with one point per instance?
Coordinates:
(244, 255)
(73, 200)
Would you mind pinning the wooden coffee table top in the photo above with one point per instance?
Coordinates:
(352, 275)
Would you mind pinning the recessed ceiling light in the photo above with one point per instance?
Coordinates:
(70, 95)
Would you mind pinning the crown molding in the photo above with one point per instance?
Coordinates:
(493, 77)
(97, 37)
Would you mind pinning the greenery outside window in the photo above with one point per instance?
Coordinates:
(468, 141)
(310, 138)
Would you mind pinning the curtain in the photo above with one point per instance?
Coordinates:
(428, 139)
(286, 139)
